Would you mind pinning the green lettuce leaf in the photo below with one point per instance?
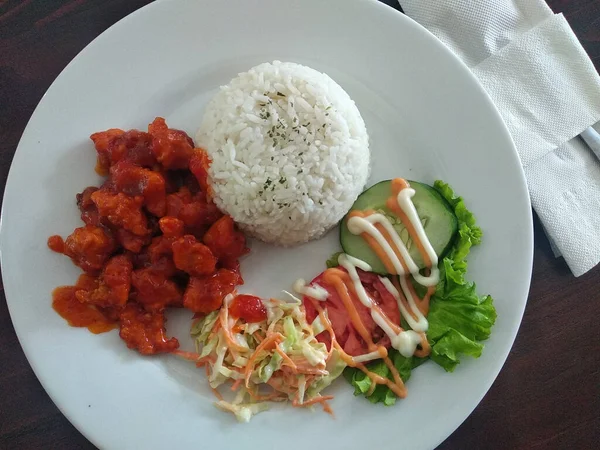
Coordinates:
(381, 394)
(458, 316)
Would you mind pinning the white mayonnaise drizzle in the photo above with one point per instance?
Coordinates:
(313, 290)
(366, 357)
(358, 225)
(421, 323)
(406, 341)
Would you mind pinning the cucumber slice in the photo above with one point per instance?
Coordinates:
(438, 219)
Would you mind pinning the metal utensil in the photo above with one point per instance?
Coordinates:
(592, 139)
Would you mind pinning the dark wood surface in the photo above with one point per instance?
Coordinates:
(547, 395)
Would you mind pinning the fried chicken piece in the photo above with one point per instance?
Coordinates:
(134, 180)
(145, 331)
(112, 290)
(115, 145)
(171, 227)
(89, 212)
(196, 212)
(224, 240)
(206, 294)
(154, 289)
(193, 257)
(199, 164)
(172, 148)
(89, 247)
(122, 211)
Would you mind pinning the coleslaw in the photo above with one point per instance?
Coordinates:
(274, 360)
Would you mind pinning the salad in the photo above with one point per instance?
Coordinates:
(268, 351)
(394, 298)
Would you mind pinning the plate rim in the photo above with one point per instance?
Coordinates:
(455, 421)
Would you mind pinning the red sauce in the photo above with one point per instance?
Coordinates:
(56, 244)
(77, 314)
(249, 308)
(151, 238)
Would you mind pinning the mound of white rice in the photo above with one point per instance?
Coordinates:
(289, 149)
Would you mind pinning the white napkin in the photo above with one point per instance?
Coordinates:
(548, 92)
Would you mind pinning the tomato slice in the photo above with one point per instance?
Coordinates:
(345, 332)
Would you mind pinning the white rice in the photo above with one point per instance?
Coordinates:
(289, 149)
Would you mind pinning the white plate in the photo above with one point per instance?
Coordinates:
(427, 117)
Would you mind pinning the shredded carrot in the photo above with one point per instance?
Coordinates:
(284, 383)
(190, 356)
(326, 323)
(273, 397)
(285, 357)
(229, 338)
(312, 401)
(202, 361)
(328, 409)
(276, 383)
(271, 340)
(307, 369)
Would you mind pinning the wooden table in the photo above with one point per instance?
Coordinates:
(547, 395)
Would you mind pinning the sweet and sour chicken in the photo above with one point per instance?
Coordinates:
(151, 239)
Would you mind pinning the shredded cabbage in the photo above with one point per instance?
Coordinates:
(277, 359)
